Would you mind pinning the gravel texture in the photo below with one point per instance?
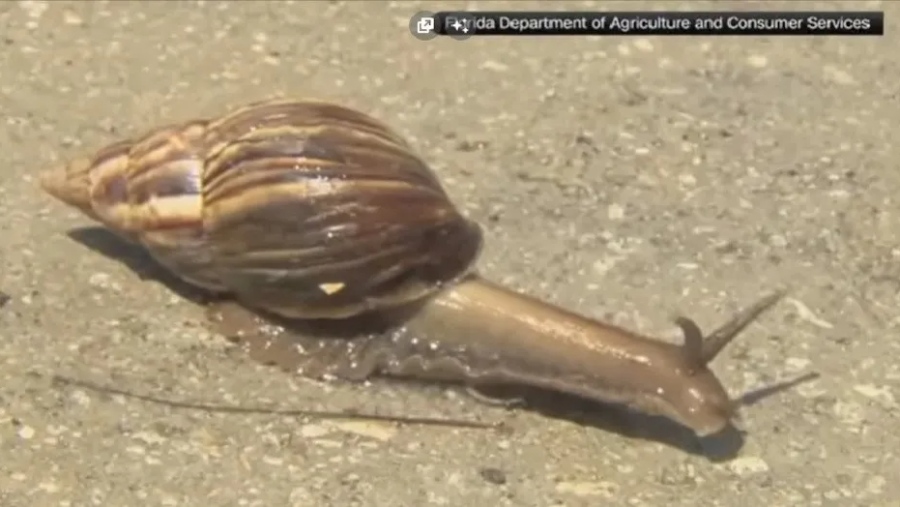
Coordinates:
(626, 178)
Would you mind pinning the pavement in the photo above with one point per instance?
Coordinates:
(626, 178)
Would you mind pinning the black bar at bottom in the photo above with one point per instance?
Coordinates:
(470, 23)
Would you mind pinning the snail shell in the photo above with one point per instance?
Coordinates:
(300, 208)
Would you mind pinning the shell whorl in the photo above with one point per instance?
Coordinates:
(304, 209)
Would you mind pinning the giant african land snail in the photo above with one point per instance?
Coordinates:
(313, 211)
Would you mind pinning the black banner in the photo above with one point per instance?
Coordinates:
(466, 24)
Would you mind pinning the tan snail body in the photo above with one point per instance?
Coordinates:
(308, 210)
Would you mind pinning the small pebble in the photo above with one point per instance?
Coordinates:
(643, 45)
(100, 280)
(493, 475)
(838, 76)
(880, 394)
(313, 431)
(757, 61)
(26, 432)
(585, 489)
(687, 179)
(615, 212)
(494, 66)
(72, 19)
(748, 465)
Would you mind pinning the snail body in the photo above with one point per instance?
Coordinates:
(315, 212)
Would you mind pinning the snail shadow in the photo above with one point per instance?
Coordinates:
(135, 258)
(719, 447)
(634, 425)
(619, 420)
(609, 418)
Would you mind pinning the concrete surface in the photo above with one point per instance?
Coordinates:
(626, 178)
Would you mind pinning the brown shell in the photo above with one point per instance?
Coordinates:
(304, 209)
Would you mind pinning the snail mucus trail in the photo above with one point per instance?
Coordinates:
(314, 212)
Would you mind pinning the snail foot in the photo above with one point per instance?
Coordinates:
(290, 348)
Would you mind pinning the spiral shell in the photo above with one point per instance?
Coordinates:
(301, 208)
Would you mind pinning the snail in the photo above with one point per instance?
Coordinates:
(313, 212)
